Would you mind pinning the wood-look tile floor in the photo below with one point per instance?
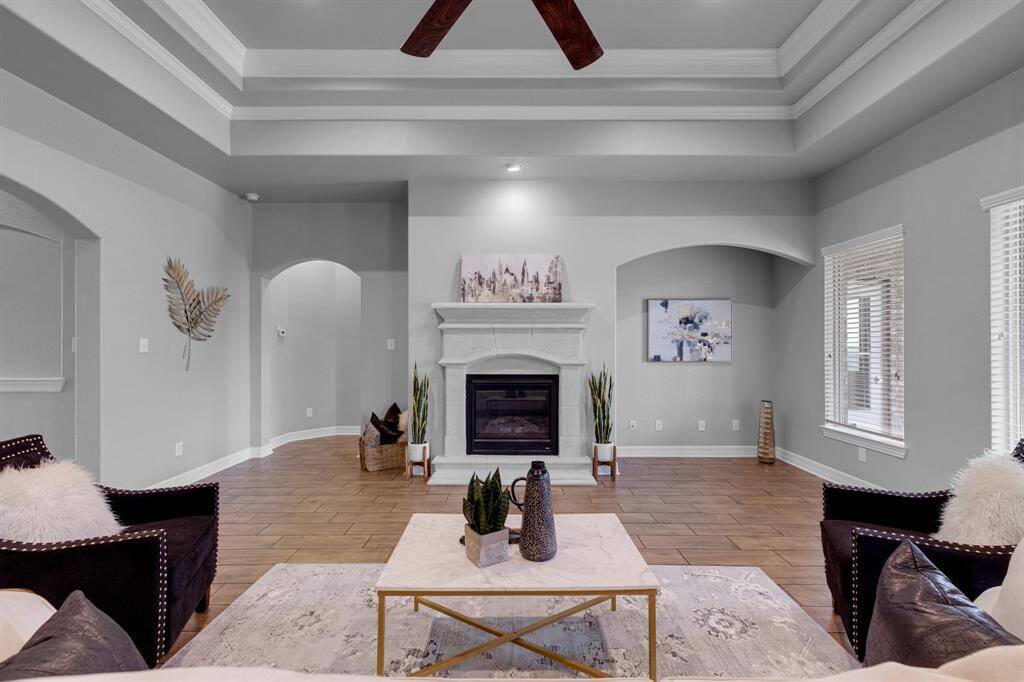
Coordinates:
(310, 503)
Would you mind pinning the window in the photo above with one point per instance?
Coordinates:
(1006, 217)
(864, 341)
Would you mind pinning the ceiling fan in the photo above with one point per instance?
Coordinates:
(563, 17)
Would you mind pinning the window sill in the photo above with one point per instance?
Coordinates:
(31, 384)
(886, 446)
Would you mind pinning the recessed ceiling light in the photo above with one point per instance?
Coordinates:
(514, 167)
(251, 197)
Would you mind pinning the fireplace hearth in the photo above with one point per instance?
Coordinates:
(512, 414)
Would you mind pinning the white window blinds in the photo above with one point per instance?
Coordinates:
(1007, 255)
(864, 334)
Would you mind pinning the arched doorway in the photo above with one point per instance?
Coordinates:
(310, 332)
(49, 307)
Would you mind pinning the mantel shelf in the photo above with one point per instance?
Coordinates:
(576, 314)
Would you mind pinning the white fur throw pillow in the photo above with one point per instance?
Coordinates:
(987, 507)
(53, 502)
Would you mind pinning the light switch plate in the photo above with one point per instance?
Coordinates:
(309, 413)
(735, 424)
(390, 344)
(143, 344)
(179, 449)
(702, 425)
(659, 425)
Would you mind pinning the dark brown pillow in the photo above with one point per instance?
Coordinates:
(388, 434)
(922, 619)
(77, 640)
(392, 416)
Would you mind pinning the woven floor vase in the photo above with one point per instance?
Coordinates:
(766, 434)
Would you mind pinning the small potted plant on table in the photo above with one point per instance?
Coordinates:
(486, 508)
(601, 389)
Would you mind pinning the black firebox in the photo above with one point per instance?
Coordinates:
(512, 414)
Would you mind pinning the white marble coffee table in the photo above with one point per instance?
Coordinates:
(595, 559)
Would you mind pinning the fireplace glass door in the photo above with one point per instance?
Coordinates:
(512, 414)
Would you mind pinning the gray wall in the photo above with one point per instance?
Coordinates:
(37, 321)
(595, 227)
(143, 208)
(369, 239)
(680, 394)
(317, 364)
(947, 291)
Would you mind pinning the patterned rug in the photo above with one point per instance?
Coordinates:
(712, 621)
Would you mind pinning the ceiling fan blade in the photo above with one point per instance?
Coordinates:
(434, 26)
(571, 31)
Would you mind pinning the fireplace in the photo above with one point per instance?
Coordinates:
(512, 414)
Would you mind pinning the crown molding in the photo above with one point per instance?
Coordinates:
(809, 34)
(120, 22)
(873, 47)
(512, 113)
(716, 63)
(209, 34)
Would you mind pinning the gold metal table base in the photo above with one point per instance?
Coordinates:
(502, 637)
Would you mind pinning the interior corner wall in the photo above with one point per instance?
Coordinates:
(143, 208)
(680, 394)
(947, 400)
(596, 227)
(371, 240)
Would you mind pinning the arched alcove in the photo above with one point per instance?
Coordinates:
(309, 350)
(681, 394)
(49, 307)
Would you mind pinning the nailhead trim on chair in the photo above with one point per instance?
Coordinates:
(161, 610)
(988, 550)
(875, 491)
(37, 445)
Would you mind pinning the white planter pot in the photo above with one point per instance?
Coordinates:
(604, 451)
(416, 451)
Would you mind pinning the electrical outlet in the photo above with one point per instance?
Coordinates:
(632, 425)
(390, 344)
(735, 424)
(659, 425)
(862, 455)
(143, 344)
(309, 413)
(702, 425)
(179, 449)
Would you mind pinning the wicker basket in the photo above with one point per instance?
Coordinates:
(381, 457)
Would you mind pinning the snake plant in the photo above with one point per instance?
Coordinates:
(601, 389)
(420, 397)
(486, 504)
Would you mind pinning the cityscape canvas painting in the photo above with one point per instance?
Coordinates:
(689, 330)
(511, 279)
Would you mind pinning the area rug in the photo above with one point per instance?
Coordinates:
(712, 621)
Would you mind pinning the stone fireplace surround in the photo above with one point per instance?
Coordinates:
(513, 338)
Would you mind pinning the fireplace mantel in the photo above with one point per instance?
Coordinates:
(513, 337)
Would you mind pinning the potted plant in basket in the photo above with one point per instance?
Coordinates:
(486, 508)
(601, 390)
(419, 448)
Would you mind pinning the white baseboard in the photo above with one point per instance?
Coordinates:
(208, 469)
(820, 470)
(291, 437)
(687, 451)
(255, 452)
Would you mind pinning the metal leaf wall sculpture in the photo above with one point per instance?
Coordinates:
(193, 312)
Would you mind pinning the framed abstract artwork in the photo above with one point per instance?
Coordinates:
(689, 330)
(532, 278)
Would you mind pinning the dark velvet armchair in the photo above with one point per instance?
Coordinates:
(861, 529)
(149, 578)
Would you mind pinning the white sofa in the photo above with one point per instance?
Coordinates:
(999, 664)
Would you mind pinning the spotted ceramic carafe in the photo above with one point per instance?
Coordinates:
(537, 540)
